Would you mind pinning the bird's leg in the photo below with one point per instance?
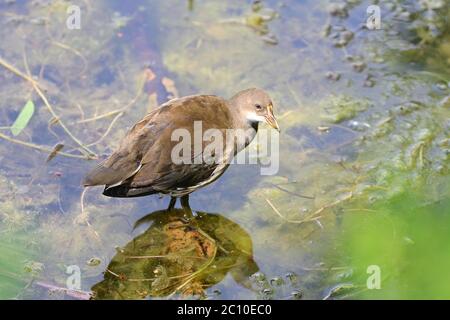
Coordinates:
(185, 202)
(185, 205)
(172, 203)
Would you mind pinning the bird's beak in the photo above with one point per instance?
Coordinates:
(270, 119)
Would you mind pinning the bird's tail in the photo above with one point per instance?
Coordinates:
(125, 191)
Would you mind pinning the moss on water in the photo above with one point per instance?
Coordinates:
(340, 108)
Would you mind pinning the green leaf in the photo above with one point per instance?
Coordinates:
(23, 118)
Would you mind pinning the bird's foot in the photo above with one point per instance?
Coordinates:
(189, 215)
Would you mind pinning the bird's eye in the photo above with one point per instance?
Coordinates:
(258, 107)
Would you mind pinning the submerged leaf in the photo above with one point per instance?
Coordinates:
(56, 149)
(23, 118)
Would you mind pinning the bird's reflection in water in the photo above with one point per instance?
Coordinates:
(178, 256)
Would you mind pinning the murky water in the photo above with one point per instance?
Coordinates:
(365, 118)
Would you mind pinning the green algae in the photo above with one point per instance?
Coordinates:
(340, 108)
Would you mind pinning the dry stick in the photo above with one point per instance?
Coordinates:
(104, 115)
(349, 196)
(75, 52)
(42, 148)
(36, 87)
(84, 295)
(80, 108)
(52, 112)
(50, 123)
(49, 107)
(85, 216)
(118, 111)
(292, 193)
(309, 219)
(107, 130)
(17, 72)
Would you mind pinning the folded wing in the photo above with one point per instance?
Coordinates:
(143, 164)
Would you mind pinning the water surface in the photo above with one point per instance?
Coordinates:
(365, 133)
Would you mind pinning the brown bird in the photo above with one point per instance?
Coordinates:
(148, 158)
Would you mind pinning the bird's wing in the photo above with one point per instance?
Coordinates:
(158, 168)
(126, 160)
(144, 156)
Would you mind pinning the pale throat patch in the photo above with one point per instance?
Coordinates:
(254, 117)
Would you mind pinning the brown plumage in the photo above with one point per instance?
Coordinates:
(143, 164)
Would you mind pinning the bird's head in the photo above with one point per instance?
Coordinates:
(256, 106)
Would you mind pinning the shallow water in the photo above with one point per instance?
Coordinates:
(365, 132)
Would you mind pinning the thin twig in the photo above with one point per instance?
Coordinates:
(308, 219)
(104, 115)
(84, 216)
(320, 210)
(80, 108)
(51, 110)
(121, 110)
(292, 193)
(84, 295)
(37, 87)
(44, 149)
(74, 51)
(107, 130)
(17, 72)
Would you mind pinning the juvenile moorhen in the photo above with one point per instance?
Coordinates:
(143, 164)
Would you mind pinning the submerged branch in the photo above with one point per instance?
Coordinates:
(52, 111)
(44, 149)
(107, 130)
(17, 72)
(79, 294)
(120, 110)
(308, 219)
(292, 193)
(37, 87)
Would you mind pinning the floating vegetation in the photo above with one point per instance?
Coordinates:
(340, 108)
